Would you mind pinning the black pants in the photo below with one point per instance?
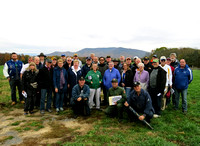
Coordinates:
(156, 100)
(29, 101)
(13, 84)
(37, 98)
(81, 108)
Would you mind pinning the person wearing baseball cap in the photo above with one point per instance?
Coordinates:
(80, 98)
(108, 59)
(76, 58)
(86, 68)
(147, 65)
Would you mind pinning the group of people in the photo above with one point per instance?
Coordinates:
(145, 85)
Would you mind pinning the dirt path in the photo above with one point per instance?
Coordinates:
(17, 129)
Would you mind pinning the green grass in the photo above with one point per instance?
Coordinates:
(173, 128)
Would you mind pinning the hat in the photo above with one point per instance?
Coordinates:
(62, 55)
(114, 80)
(136, 84)
(162, 58)
(82, 79)
(169, 58)
(54, 58)
(155, 60)
(41, 54)
(135, 57)
(75, 55)
(146, 58)
(49, 60)
(88, 58)
(128, 58)
(155, 56)
(108, 57)
(115, 60)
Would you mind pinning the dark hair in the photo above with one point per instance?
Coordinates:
(13, 53)
(101, 57)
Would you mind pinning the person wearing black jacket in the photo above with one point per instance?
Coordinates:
(147, 65)
(157, 81)
(86, 68)
(29, 87)
(45, 81)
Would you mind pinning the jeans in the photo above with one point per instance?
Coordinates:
(184, 98)
(81, 107)
(59, 99)
(96, 93)
(13, 84)
(43, 96)
(128, 90)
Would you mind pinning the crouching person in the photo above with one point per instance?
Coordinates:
(116, 110)
(140, 101)
(60, 77)
(29, 87)
(79, 100)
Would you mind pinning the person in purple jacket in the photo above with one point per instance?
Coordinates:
(183, 77)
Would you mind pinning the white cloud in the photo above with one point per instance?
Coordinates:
(73, 25)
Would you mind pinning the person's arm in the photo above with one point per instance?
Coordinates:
(170, 77)
(75, 94)
(118, 76)
(86, 78)
(86, 93)
(190, 76)
(148, 106)
(5, 71)
(123, 99)
(54, 80)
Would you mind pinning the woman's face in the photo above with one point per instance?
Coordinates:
(75, 64)
(125, 66)
(141, 68)
(32, 67)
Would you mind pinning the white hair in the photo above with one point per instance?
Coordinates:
(140, 64)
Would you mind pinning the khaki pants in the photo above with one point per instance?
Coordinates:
(164, 99)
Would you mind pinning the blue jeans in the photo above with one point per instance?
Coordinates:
(59, 99)
(43, 96)
(128, 90)
(184, 98)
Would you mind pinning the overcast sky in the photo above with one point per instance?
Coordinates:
(70, 25)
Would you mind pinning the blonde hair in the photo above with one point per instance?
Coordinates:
(60, 60)
(76, 61)
(91, 68)
(32, 64)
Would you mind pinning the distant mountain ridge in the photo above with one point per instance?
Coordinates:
(114, 52)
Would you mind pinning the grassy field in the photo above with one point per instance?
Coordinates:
(173, 128)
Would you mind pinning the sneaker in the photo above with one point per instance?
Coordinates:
(13, 103)
(49, 110)
(156, 116)
(61, 109)
(22, 102)
(42, 112)
(57, 109)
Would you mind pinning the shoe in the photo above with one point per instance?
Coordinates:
(31, 112)
(49, 110)
(57, 109)
(22, 102)
(13, 103)
(26, 113)
(156, 116)
(75, 116)
(61, 109)
(42, 112)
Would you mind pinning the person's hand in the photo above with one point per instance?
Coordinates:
(126, 103)
(68, 85)
(123, 84)
(100, 82)
(56, 90)
(85, 98)
(23, 91)
(91, 82)
(79, 99)
(115, 103)
(8, 79)
(141, 117)
(171, 86)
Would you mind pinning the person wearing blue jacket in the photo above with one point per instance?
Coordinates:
(11, 71)
(60, 77)
(183, 77)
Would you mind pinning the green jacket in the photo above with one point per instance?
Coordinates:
(117, 91)
(93, 77)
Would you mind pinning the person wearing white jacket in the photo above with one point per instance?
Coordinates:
(168, 84)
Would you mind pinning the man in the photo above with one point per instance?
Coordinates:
(134, 59)
(92, 55)
(68, 64)
(117, 109)
(140, 101)
(76, 58)
(108, 59)
(147, 66)
(11, 71)
(30, 59)
(54, 62)
(135, 65)
(153, 57)
(79, 100)
(168, 84)
(157, 82)
(45, 81)
(122, 59)
(42, 59)
(129, 61)
(116, 64)
(175, 61)
(86, 68)
(102, 68)
(36, 60)
(183, 77)
(95, 60)
(63, 57)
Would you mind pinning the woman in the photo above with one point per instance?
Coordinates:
(74, 74)
(29, 87)
(142, 76)
(127, 79)
(94, 79)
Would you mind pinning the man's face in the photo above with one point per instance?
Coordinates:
(76, 64)
(114, 84)
(14, 57)
(95, 59)
(173, 58)
(155, 64)
(137, 61)
(41, 58)
(168, 62)
(63, 58)
(60, 64)
(163, 62)
(137, 88)
(30, 60)
(81, 82)
(121, 58)
(128, 61)
(69, 60)
(108, 59)
(48, 64)
(37, 60)
(110, 65)
(115, 63)
(54, 61)
(146, 61)
(182, 63)
(88, 62)
(101, 60)
(75, 57)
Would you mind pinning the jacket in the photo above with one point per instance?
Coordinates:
(45, 78)
(141, 103)
(128, 81)
(56, 78)
(10, 69)
(117, 91)
(183, 77)
(85, 69)
(95, 78)
(109, 75)
(76, 92)
(74, 76)
(102, 68)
